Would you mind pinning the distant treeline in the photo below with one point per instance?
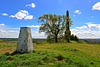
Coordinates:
(96, 41)
(9, 39)
(16, 39)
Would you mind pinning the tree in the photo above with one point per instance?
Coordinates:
(72, 37)
(68, 24)
(52, 25)
(76, 38)
(50, 38)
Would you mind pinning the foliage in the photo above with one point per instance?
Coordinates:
(53, 25)
(67, 31)
(74, 37)
(50, 39)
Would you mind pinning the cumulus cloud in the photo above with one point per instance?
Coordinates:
(6, 33)
(29, 17)
(2, 31)
(36, 34)
(22, 14)
(31, 5)
(34, 26)
(86, 33)
(77, 11)
(91, 25)
(5, 14)
(12, 31)
(89, 31)
(12, 16)
(96, 6)
(82, 27)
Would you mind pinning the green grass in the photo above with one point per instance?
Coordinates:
(8, 45)
(53, 55)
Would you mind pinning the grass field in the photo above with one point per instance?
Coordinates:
(51, 55)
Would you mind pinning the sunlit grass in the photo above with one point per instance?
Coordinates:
(52, 55)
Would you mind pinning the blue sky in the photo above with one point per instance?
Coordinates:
(22, 13)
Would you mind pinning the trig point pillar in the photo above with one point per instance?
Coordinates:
(25, 40)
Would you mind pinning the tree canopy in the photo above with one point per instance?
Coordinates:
(53, 25)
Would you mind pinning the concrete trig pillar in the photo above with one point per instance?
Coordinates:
(24, 40)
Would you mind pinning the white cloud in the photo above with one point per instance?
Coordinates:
(86, 33)
(31, 5)
(12, 31)
(22, 14)
(96, 6)
(6, 33)
(2, 31)
(89, 31)
(28, 17)
(82, 32)
(24, 11)
(12, 16)
(82, 27)
(34, 26)
(5, 14)
(36, 34)
(2, 24)
(91, 25)
(77, 11)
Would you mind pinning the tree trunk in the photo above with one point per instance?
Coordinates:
(67, 35)
(56, 40)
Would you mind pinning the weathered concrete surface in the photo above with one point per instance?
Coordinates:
(25, 40)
